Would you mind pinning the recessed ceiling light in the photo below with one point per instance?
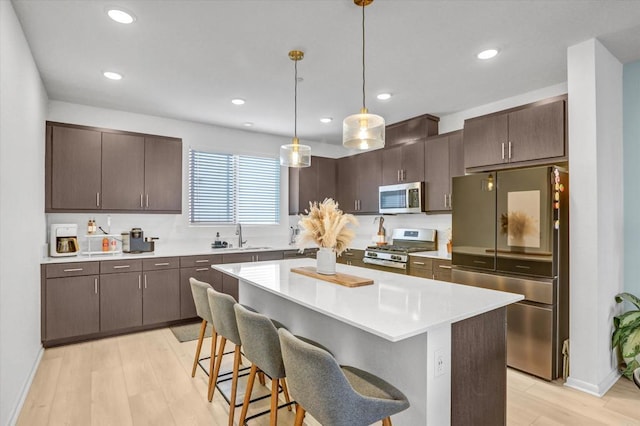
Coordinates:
(121, 16)
(112, 75)
(384, 96)
(487, 54)
(326, 120)
(237, 101)
(247, 124)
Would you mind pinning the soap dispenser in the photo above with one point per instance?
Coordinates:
(217, 241)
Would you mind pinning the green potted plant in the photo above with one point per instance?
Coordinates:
(626, 335)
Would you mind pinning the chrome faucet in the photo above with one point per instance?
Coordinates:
(239, 234)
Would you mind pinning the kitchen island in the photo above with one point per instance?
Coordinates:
(443, 345)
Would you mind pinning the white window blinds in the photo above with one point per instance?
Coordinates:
(233, 189)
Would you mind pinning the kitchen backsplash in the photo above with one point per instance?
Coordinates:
(171, 229)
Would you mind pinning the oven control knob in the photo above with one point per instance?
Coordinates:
(372, 254)
(395, 257)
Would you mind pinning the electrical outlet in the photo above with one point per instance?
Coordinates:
(440, 364)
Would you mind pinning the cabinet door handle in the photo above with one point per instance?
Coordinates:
(509, 150)
(202, 261)
(201, 269)
(450, 205)
(141, 201)
(145, 280)
(95, 285)
(73, 270)
(444, 266)
(417, 263)
(445, 200)
(162, 264)
(139, 282)
(503, 150)
(398, 175)
(480, 262)
(97, 199)
(404, 175)
(121, 266)
(147, 200)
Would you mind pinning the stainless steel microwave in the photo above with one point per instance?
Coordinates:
(401, 198)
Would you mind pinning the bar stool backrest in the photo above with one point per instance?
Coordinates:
(317, 382)
(260, 341)
(224, 317)
(199, 292)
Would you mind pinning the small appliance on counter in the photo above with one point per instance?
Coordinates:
(63, 240)
(134, 242)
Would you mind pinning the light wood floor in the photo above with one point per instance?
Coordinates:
(145, 378)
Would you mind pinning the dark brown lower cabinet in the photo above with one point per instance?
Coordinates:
(120, 301)
(72, 307)
(161, 296)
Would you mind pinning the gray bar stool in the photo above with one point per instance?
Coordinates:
(336, 395)
(199, 292)
(224, 322)
(261, 346)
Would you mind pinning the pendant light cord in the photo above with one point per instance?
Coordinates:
(295, 100)
(363, 93)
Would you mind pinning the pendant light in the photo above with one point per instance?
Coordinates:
(294, 154)
(364, 130)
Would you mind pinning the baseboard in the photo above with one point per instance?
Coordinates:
(599, 389)
(13, 419)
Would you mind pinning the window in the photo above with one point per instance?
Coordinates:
(226, 189)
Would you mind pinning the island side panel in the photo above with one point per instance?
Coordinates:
(479, 370)
(403, 364)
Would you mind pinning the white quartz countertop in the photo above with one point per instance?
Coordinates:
(194, 249)
(167, 250)
(395, 307)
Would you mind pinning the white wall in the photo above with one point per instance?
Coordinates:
(596, 212)
(22, 221)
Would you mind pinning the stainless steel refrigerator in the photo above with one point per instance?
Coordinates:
(510, 232)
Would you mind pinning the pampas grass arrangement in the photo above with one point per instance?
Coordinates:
(326, 225)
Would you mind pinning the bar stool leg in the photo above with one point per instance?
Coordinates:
(261, 378)
(286, 393)
(213, 378)
(300, 412)
(386, 422)
(247, 394)
(203, 327)
(234, 384)
(214, 342)
(273, 415)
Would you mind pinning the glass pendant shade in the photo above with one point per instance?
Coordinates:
(363, 131)
(295, 155)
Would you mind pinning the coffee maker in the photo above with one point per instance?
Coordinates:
(63, 240)
(134, 242)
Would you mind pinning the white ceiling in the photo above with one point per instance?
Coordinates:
(187, 59)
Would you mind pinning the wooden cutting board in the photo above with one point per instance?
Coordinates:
(341, 279)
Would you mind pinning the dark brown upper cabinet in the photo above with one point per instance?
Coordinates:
(404, 163)
(314, 183)
(122, 175)
(358, 179)
(163, 174)
(527, 135)
(443, 159)
(89, 169)
(74, 167)
(411, 130)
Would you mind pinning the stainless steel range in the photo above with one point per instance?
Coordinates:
(404, 241)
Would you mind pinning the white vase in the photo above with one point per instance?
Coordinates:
(326, 261)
